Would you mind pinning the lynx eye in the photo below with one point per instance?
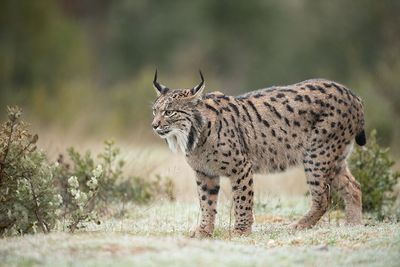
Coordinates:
(168, 113)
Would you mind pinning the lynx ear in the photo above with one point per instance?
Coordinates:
(198, 89)
(160, 89)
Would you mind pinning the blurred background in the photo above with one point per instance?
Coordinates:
(84, 69)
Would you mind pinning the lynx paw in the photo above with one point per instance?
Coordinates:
(242, 231)
(200, 233)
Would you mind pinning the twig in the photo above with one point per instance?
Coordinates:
(24, 149)
(43, 224)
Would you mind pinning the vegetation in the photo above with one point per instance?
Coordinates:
(373, 168)
(88, 185)
(36, 194)
(91, 186)
(28, 202)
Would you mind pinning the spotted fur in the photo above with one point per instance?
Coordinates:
(312, 123)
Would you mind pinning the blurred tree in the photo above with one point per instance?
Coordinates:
(38, 45)
(50, 50)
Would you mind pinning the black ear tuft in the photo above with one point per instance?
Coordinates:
(161, 89)
(198, 88)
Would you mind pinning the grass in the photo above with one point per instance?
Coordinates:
(157, 235)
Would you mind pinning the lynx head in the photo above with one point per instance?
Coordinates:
(176, 118)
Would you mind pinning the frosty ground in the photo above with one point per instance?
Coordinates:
(158, 234)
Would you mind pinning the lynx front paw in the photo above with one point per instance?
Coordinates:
(200, 233)
(240, 231)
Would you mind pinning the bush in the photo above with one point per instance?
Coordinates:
(28, 201)
(35, 194)
(371, 166)
(89, 185)
(105, 171)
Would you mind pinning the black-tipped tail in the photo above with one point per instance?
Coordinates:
(361, 139)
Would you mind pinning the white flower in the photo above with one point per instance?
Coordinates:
(98, 171)
(73, 182)
(59, 199)
(81, 198)
(77, 194)
(73, 192)
(92, 183)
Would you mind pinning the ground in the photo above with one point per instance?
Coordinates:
(157, 235)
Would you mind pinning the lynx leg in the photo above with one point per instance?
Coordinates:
(207, 188)
(319, 186)
(349, 189)
(242, 190)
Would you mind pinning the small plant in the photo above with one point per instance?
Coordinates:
(371, 166)
(80, 207)
(106, 167)
(89, 185)
(28, 201)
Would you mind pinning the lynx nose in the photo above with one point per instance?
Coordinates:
(155, 124)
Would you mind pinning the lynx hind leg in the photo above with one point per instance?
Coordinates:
(349, 189)
(319, 187)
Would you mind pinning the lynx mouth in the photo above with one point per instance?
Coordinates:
(163, 132)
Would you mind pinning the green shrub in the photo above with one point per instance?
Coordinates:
(28, 200)
(372, 167)
(86, 185)
(106, 167)
(91, 185)
(79, 188)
